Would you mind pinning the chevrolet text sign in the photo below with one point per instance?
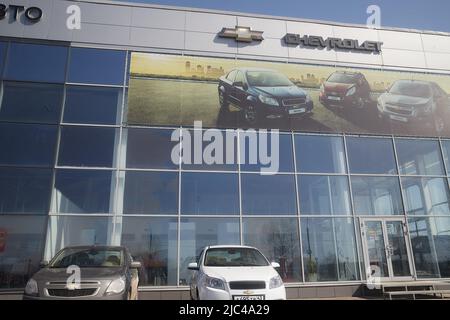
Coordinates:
(332, 43)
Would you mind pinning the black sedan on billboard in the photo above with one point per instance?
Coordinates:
(345, 89)
(413, 101)
(263, 94)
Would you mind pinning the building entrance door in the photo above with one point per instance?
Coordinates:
(386, 251)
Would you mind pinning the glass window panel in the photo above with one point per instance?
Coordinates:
(220, 144)
(153, 242)
(376, 195)
(21, 247)
(426, 196)
(197, 233)
(320, 154)
(3, 48)
(67, 231)
(25, 190)
(329, 249)
(87, 147)
(97, 66)
(35, 62)
(151, 193)
(150, 149)
(31, 102)
(209, 193)
(419, 157)
(271, 152)
(423, 232)
(96, 105)
(371, 155)
(324, 195)
(83, 191)
(278, 240)
(27, 145)
(446, 152)
(264, 194)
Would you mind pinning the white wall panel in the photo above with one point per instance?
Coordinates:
(169, 39)
(436, 43)
(207, 22)
(157, 18)
(268, 47)
(272, 28)
(438, 60)
(400, 40)
(209, 42)
(404, 58)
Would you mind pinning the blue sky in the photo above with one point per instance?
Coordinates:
(414, 14)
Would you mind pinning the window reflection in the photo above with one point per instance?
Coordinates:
(320, 154)
(21, 247)
(35, 62)
(3, 48)
(329, 249)
(83, 191)
(278, 240)
(426, 196)
(197, 233)
(256, 147)
(25, 190)
(95, 105)
(153, 242)
(376, 195)
(430, 239)
(324, 195)
(87, 147)
(151, 193)
(31, 102)
(27, 145)
(96, 66)
(77, 231)
(264, 195)
(371, 155)
(209, 193)
(446, 153)
(150, 149)
(419, 157)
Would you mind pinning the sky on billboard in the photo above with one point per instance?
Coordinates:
(411, 14)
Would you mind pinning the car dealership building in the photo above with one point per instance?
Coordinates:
(88, 111)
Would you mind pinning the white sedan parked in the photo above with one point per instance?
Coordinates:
(235, 273)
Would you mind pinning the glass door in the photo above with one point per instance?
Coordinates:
(385, 248)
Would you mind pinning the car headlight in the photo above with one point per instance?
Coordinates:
(275, 282)
(214, 283)
(116, 286)
(31, 288)
(380, 104)
(351, 91)
(268, 100)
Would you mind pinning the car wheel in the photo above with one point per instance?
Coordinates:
(223, 100)
(250, 115)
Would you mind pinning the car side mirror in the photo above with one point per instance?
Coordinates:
(275, 265)
(193, 266)
(240, 84)
(136, 265)
(43, 263)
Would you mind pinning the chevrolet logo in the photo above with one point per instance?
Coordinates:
(241, 34)
(248, 292)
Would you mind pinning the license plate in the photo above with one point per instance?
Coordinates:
(296, 111)
(248, 297)
(402, 119)
(334, 98)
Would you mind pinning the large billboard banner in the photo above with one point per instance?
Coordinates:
(173, 90)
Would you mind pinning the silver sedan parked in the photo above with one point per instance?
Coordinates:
(86, 272)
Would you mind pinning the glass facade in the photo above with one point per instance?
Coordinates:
(73, 172)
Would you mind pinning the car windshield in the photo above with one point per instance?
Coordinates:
(342, 78)
(411, 89)
(88, 258)
(267, 79)
(234, 257)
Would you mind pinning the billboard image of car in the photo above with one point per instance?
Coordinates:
(175, 90)
(415, 102)
(263, 94)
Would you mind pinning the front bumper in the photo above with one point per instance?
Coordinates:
(405, 118)
(268, 294)
(114, 297)
(273, 112)
(344, 101)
